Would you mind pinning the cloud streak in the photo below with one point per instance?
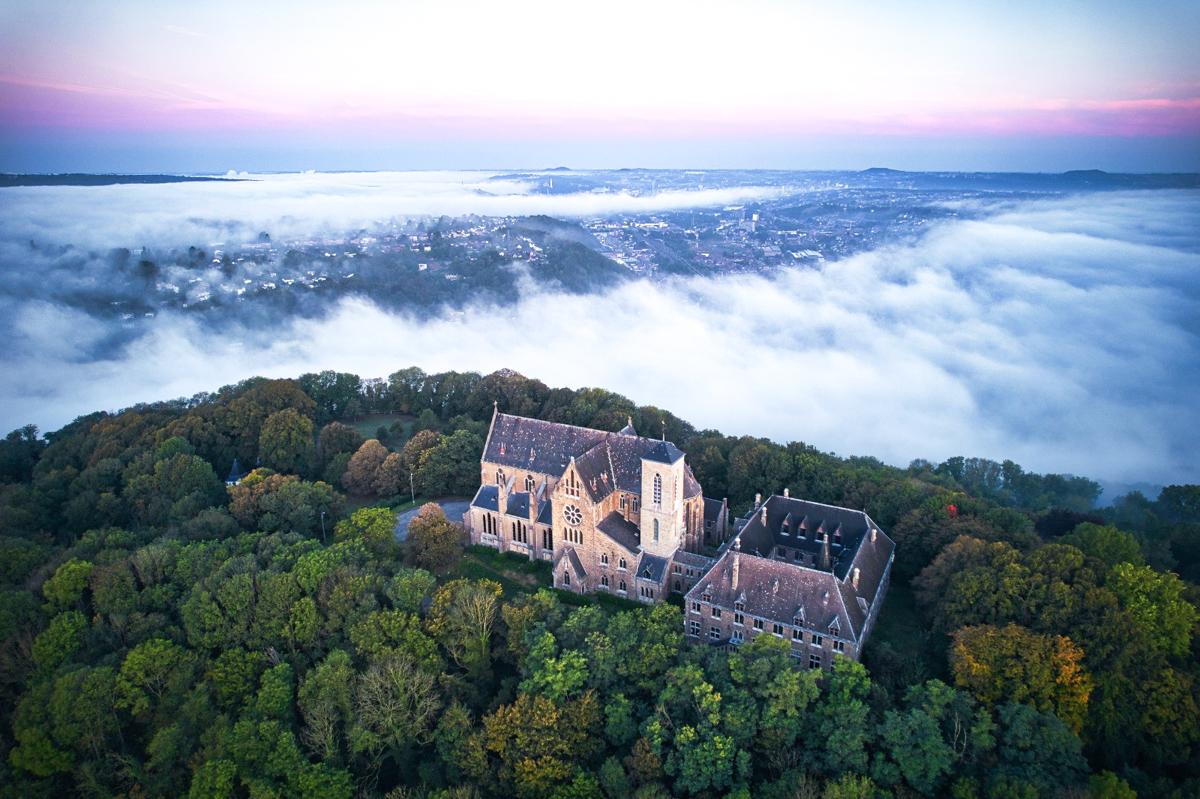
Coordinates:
(300, 205)
(1060, 333)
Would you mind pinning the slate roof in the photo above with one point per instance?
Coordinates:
(570, 556)
(778, 589)
(235, 472)
(487, 498)
(712, 510)
(606, 461)
(545, 512)
(664, 452)
(537, 446)
(652, 567)
(616, 527)
(693, 559)
(518, 505)
(809, 518)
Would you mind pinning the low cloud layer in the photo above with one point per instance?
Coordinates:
(1064, 334)
(302, 205)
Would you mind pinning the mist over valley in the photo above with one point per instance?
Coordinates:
(1051, 319)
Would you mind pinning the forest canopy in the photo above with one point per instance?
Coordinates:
(207, 597)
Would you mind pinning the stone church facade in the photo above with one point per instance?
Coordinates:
(620, 513)
(613, 512)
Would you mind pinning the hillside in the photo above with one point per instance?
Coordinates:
(165, 633)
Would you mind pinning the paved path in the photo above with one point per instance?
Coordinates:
(453, 507)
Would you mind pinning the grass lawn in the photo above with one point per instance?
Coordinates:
(367, 425)
(517, 574)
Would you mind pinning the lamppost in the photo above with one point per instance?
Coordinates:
(323, 541)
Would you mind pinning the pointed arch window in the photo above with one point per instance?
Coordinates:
(529, 483)
(656, 529)
(499, 477)
(658, 489)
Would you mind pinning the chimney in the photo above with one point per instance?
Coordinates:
(825, 560)
(854, 578)
(763, 515)
(787, 492)
(874, 534)
(734, 581)
(757, 500)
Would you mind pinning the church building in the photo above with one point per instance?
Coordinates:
(613, 512)
(620, 513)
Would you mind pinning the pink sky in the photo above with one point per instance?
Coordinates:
(538, 72)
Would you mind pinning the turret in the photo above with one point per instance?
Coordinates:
(661, 521)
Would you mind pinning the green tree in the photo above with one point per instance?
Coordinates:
(326, 705)
(1037, 748)
(375, 527)
(1106, 543)
(462, 618)
(386, 632)
(840, 721)
(65, 588)
(409, 589)
(396, 704)
(1013, 664)
(61, 639)
(849, 786)
(1155, 601)
(286, 442)
(149, 670)
(432, 541)
(538, 741)
(452, 467)
(1106, 785)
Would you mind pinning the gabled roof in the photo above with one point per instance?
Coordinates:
(487, 497)
(815, 520)
(775, 591)
(518, 505)
(712, 510)
(572, 559)
(663, 452)
(535, 445)
(652, 567)
(692, 559)
(606, 461)
(616, 527)
(864, 547)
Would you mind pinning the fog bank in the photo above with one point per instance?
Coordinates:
(1062, 334)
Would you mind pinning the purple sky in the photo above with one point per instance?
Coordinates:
(140, 86)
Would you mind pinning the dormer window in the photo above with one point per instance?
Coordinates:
(739, 605)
